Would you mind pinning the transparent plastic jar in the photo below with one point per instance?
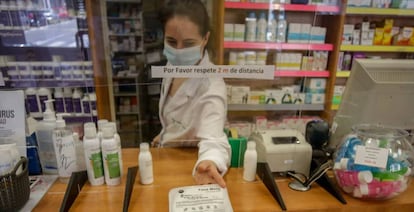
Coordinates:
(374, 162)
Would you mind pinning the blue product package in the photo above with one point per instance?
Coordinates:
(32, 155)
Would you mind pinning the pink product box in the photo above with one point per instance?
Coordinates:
(261, 122)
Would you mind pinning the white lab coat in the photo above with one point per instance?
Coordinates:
(195, 115)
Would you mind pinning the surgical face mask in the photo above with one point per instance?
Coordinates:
(182, 57)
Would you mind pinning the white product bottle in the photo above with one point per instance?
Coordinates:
(65, 151)
(43, 95)
(281, 28)
(86, 106)
(80, 153)
(145, 164)
(76, 98)
(44, 136)
(250, 162)
(271, 28)
(118, 141)
(92, 99)
(251, 24)
(110, 154)
(261, 28)
(93, 155)
(67, 95)
(59, 100)
(32, 102)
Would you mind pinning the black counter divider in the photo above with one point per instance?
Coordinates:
(326, 183)
(129, 186)
(76, 182)
(264, 172)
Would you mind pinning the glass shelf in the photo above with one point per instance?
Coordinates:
(277, 46)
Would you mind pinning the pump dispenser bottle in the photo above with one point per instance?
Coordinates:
(93, 155)
(110, 154)
(145, 164)
(65, 151)
(250, 162)
(44, 135)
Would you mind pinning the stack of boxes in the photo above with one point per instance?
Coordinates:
(384, 33)
(315, 91)
(305, 33)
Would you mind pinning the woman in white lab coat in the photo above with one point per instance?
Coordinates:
(193, 110)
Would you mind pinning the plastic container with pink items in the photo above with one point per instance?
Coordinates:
(374, 162)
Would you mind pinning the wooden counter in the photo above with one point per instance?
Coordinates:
(173, 167)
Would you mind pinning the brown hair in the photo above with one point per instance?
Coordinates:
(193, 9)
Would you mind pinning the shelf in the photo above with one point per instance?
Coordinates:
(128, 52)
(286, 7)
(127, 113)
(125, 35)
(124, 1)
(125, 94)
(125, 77)
(123, 18)
(77, 119)
(379, 11)
(302, 73)
(49, 83)
(276, 46)
(366, 48)
(344, 74)
(277, 107)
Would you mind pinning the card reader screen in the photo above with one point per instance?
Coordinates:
(285, 140)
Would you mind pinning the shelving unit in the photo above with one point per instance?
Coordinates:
(225, 8)
(354, 15)
(124, 33)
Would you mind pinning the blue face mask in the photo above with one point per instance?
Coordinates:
(182, 57)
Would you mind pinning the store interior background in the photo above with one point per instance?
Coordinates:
(122, 39)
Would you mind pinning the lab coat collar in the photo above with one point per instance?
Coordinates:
(187, 89)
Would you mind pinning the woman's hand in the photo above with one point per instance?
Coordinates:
(155, 141)
(207, 173)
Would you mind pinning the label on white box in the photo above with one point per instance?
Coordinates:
(371, 156)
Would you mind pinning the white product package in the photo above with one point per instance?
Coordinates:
(199, 198)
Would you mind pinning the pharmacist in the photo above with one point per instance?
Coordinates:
(193, 110)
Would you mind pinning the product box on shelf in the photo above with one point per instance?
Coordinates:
(315, 84)
(239, 94)
(238, 32)
(228, 32)
(347, 34)
(305, 30)
(256, 97)
(274, 96)
(315, 98)
(294, 33)
(356, 37)
(367, 37)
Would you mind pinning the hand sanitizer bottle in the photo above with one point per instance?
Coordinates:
(65, 151)
(118, 142)
(93, 155)
(44, 136)
(145, 164)
(110, 154)
(250, 162)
